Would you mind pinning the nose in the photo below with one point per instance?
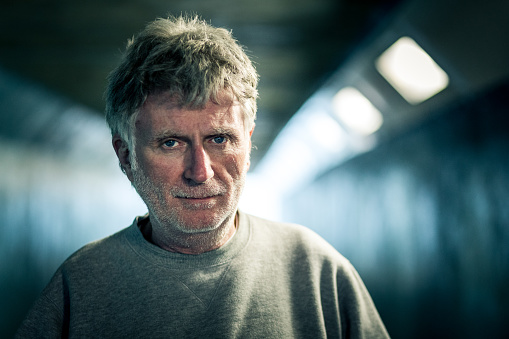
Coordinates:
(198, 169)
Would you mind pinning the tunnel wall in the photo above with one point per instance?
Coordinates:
(425, 219)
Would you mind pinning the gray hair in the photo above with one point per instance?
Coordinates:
(186, 56)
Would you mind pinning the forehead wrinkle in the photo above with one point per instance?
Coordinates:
(221, 120)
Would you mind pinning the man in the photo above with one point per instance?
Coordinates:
(181, 107)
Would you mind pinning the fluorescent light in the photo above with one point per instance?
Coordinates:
(411, 71)
(356, 112)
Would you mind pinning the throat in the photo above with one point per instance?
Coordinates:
(186, 243)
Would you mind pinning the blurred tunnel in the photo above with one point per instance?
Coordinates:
(60, 188)
(414, 195)
(424, 218)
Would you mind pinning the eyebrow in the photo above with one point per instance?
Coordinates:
(170, 133)
(167, 133)
(223, 130)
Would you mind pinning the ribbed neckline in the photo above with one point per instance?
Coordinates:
(157, 255)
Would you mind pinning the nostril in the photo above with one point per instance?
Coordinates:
(199, 167)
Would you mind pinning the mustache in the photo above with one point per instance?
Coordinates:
(198, 192)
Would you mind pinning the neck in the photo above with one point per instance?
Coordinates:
(196, 243)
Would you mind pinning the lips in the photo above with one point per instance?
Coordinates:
(199, 198)
(198, 194)
(200, 202)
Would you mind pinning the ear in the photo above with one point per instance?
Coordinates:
(123, 154)
(248, 164)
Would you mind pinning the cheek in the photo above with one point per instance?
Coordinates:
(236, 165)
(161, 170)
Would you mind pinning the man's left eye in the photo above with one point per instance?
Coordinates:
(170, 143)
(219, 139)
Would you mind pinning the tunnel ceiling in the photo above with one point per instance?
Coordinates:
(71, 46)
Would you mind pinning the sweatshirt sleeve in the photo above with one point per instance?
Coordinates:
(46, 317)
(358, 314)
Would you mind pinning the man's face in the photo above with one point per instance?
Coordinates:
(189, 166)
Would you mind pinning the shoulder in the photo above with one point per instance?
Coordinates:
(276, 228)
(294, 238)
(304, 252)
(288, 231)
(99, 252)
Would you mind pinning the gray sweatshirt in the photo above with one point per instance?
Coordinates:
(272, 280)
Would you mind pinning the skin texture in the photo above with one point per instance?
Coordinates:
(189, 167)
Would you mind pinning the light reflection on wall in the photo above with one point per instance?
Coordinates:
(311, 143)
(424, 219)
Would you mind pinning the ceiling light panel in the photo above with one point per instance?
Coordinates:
(356, 112)
(411, 71)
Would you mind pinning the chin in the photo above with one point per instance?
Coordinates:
(195, 221)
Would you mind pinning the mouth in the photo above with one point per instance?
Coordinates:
(198, 198)
(198, 195)
(199, 202)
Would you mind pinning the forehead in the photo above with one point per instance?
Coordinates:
(161, 110)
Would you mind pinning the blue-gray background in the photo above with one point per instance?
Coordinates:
(423, 214)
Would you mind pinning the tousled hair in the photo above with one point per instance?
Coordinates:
(193, 60)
